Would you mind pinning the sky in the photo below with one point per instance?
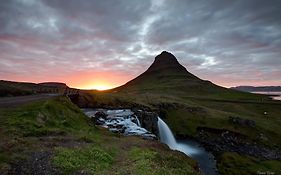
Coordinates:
(102, 44)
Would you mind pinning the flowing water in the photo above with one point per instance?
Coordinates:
(166, 135)
(122, 121)
(275, 95)
(206, 160)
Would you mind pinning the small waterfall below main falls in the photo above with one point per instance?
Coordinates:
(166, 135)
(138, 121)
(206, 160)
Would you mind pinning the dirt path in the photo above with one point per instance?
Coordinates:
(15, 101)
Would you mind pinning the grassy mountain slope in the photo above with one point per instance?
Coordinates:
(167, 76)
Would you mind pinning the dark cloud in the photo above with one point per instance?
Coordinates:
(233, 41)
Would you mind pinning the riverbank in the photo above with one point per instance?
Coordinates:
(218, 141)
(131, 122)
(232, 150)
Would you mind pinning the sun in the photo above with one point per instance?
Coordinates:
(101, 87)
(97, 86)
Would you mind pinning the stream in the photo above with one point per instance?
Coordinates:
(124, 121)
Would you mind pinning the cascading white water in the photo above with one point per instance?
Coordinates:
(138, 121)
(166, 135)
(192, 149)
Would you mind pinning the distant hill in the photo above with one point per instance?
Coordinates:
(11, 88)
(54, 84)
(167, 76)
(258, 88)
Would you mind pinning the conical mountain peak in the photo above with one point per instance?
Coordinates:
(166, 57)
(164, 72)
(166, 60)
(167, 76)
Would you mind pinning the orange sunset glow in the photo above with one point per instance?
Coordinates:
(98, 85)
(100, 80)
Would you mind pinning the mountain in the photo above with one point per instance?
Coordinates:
(54, 84)
(258, 88)
(167, 76)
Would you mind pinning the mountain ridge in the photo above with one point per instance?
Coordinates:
(257, 88)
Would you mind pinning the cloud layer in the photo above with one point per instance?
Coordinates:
(228, 42)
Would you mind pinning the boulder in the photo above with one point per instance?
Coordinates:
(100, 114)
(242, 122)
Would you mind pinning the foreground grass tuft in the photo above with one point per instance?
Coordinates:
(236, 164)
(146, 161)
(91, 159)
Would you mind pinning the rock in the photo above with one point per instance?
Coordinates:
(262, 137)
(148, 120)
(250, 123)
(97, 121)
(100, 114)
(41, 118)
(242, 122)
(220, 140)
(126, 122)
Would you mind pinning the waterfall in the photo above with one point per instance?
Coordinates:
(138, 121)
(166, 135)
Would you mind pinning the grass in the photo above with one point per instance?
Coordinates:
(59, 127)
(44, 118)
(235, 164)
(146, 161)
(195, 110)
(22, 127)
(91, 159)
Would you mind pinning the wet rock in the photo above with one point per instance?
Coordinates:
(220, 140)
(100, 114)
(123, 121)
(97, 121)
(148, 120)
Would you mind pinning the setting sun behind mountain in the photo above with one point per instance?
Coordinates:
(98, 86)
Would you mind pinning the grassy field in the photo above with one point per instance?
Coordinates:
(233, 164)
(185, 114)
(54, 136)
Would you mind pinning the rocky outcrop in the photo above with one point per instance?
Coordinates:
(242, 122)
(221, 140)
(148, 120)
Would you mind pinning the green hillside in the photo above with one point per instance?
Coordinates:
(55, 137)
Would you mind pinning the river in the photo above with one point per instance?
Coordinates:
(274, 95)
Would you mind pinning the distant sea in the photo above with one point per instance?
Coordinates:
(271, 93)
